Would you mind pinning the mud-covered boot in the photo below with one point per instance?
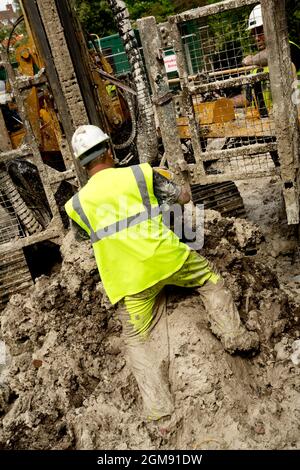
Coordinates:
(225, 320)
(242, 341)
(164, 427)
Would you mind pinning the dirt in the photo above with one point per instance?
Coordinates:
(66, 384)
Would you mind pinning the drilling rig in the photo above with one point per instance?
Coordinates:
(62, 80)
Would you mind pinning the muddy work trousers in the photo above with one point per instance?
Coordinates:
(145, 329)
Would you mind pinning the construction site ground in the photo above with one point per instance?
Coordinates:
(66, 384)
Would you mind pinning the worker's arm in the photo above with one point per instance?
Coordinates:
(166, 191)
(260, 59)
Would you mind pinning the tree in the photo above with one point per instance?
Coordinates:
(182, 5)
(4, 32)
(96, 17)
(293, 15)
(161, 9)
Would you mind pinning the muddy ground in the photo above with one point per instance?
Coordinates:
(66, 384)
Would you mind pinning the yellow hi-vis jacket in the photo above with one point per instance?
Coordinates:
(266, 90)
(133, 248)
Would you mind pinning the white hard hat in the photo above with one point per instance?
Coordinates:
(255, 18)
(89, 142)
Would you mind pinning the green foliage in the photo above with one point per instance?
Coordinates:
(4, 32)
(231, 26)
(96, 17)
(161, 9)
(293, 15)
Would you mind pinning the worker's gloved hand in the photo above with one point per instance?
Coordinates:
(248, 60)
(165, 172)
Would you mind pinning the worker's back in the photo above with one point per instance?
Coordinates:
(133, 248)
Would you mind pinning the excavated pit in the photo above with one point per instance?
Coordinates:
(65, 383)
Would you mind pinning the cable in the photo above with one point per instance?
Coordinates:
(132, 136)
(18, 21)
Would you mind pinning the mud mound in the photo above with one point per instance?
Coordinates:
(66, 384)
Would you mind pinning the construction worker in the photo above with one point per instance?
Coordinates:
(259, 94)
(137, 256)
(256, 27)
(260, 61)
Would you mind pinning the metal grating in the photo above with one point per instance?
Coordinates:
(10, 226)
(14, 276)
(232, 103)
(27, 203)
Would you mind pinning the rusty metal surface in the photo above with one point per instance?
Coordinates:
(237, 128)
(19, 226)
(46, 51)
(33, 143)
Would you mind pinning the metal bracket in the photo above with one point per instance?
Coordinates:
(164, 99)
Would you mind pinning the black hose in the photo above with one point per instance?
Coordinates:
(18, 21)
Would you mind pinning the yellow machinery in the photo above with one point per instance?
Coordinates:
(40, 106)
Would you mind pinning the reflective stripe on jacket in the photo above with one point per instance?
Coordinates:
(133, 248)
(265, 90)
(267, 95)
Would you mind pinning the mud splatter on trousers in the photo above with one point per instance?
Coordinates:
(145, 329)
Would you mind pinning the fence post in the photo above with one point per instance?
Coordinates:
(285, 111)
(161, 94)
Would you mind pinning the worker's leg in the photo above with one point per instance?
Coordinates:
(221, 309)
(275, 158)
(145, 332)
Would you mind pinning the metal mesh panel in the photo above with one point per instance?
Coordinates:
(14, 275)
(10, 227)
(232, 102)
(118, 61)
(240, 164)
(216, 44)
